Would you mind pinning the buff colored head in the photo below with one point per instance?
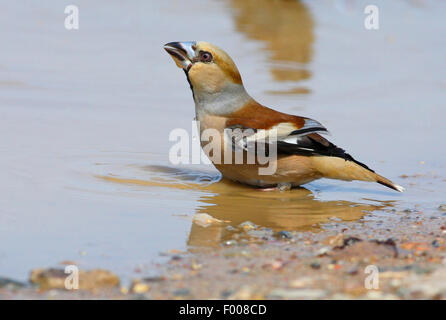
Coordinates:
(210, 70)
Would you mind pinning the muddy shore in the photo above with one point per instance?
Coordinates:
(259, 263)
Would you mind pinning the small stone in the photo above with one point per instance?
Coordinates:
(442, 207)
(247, 225)
(315, 265)
(245, 270)
(230, 243)
(283, 234)
(396, 283)
(195, 266)
(335, 241)
(275, 264)
(139, 287)
(323, 251)
(181, 292)
(353, 271)
(349, 242)
(154, 279)
(435, 243)
(226, 294)
(204, 220)
(301, 283)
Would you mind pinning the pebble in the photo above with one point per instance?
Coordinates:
(283, 234)
(353, 271)
(204, 220)
(248, 225)
(335, 241)
(154, 279)
(260, 234)
(195, 266)
(300, 283)
(442, 207)
(230, 243)
(181, 292)
(226, 294)
(315, 265)
(323, 251)
(139, 287)
(435, 243)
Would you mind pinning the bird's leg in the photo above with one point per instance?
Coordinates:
(284, 186)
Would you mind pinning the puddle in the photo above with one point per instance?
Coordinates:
(234, 203)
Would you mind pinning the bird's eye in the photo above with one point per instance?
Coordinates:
(205, 56)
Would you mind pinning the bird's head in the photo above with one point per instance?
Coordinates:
(209, 69)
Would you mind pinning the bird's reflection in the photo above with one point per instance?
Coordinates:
(234, 203)
(297, 209)
(286, 28)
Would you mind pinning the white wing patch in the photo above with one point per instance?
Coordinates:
(285, 131)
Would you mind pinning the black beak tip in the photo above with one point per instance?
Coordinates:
(174, 44)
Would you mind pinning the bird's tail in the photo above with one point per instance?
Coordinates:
(341, 169)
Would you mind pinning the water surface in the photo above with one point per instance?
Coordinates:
(85, 117)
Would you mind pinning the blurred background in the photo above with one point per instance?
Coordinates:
(85, 117)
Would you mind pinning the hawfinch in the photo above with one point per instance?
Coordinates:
(222, 103)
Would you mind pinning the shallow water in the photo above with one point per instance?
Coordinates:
(85, 118)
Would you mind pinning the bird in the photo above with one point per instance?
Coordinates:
(222, 103)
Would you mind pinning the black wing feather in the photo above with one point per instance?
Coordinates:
(308, 146)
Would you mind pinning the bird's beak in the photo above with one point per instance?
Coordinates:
(183, 53)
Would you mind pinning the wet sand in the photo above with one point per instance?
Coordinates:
(85, 118)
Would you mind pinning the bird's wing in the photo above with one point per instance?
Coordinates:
(314, 144)
(254, 115)
(259, 123)
(305, 142)
(293, 134)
